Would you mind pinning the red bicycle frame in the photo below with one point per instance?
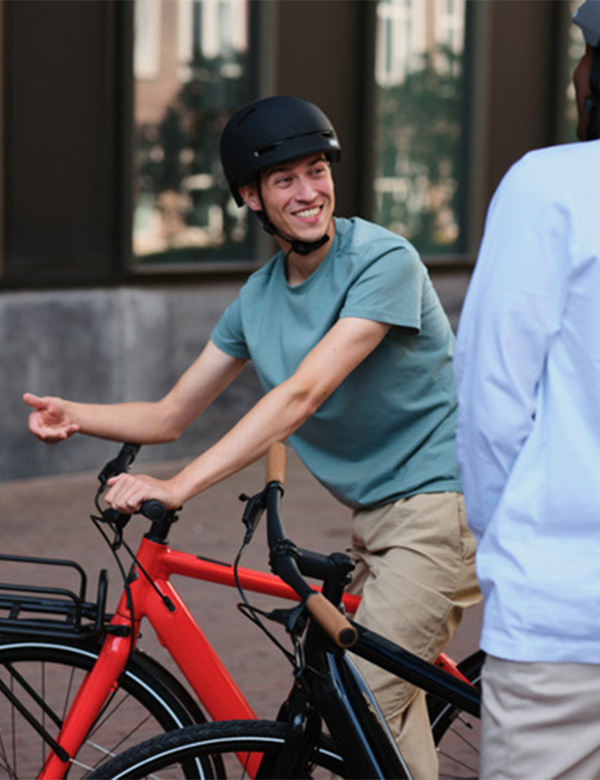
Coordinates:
(153, 597)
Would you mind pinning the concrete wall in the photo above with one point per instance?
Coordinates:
(104, 346)
(111, 345)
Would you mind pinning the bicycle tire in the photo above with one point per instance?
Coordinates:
(455, 732)
(165, 754)
(148, 698)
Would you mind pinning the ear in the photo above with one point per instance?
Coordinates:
(250, 195)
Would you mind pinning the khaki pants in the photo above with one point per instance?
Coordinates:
(540, 721)
(415, 572)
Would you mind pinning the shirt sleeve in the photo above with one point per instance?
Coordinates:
(389, 289)
(228, 333)
(511, 315)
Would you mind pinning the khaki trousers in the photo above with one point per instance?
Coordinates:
(540, 721)
(415, 572)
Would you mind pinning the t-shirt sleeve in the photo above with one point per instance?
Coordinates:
(389, 289)
(228, 333)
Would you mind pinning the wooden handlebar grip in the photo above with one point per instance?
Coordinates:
(276, 463)
(331, 620)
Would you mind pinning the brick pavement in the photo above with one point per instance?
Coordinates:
(48, 516)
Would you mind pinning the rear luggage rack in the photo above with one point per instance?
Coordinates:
(46, 610)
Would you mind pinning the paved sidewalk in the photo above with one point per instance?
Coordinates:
(49, 517)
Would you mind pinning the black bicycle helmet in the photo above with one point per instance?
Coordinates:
(587, 18)
(271, 131)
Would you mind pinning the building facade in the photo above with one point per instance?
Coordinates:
(119, 243)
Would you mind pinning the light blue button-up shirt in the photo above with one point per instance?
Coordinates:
(527, 367)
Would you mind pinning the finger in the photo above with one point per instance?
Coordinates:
(48, 433)
(124, 502)
(121, 494)
(38, 428)
(34, 400)
(60, 435)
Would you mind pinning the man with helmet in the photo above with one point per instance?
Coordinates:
(353, 350)
(527, 368)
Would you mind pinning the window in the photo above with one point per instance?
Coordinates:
(419, 94)
(192, 69)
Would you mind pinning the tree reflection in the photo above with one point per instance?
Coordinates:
(419, 153)
(183, 208)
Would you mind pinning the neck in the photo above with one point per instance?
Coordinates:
(300, 267)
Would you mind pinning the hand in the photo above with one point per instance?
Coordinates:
(127, 492)
(49, 421)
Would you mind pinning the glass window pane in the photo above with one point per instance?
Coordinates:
(192, 70)
(419, 88)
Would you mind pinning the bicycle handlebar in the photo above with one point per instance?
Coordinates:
(120, 464)
(284, 557)
(286, 560)
(152, 509)
(276, 462)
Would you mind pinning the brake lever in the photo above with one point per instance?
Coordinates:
(293, 619)
(255, 506)
(113, 517)
(119, 464)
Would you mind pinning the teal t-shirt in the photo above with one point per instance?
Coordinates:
(388, 431)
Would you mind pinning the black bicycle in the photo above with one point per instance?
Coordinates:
(329, 721)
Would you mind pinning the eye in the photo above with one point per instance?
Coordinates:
(319, 170)
(282, 180)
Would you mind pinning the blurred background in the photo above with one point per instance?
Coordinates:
(119, 242)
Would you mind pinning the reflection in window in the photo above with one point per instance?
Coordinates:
(419, 116)
(576, 49)
(191, 72)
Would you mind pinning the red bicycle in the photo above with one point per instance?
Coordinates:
(76, 688)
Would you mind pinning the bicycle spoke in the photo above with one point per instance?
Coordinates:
(51, 674)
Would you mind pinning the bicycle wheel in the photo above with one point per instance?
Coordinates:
(234, 741)
(44, 676)
(456, 733)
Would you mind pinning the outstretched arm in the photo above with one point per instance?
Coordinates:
(277, 415)
(55, 419)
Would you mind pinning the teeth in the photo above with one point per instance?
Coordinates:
(308, 213)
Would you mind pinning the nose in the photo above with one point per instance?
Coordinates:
(305, 189)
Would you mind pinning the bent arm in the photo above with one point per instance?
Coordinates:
(54, 419)
(286, 407)
(275, 417)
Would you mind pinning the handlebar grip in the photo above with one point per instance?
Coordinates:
(275, 471)
(153, 510)
(331, 620)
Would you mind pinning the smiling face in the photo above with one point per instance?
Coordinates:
(298, 197)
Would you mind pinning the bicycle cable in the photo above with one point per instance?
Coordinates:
(113, 547)
(256, 505)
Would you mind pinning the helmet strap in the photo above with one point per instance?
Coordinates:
(591, 101)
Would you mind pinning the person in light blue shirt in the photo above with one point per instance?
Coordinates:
(354, 354)
(528, 375)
